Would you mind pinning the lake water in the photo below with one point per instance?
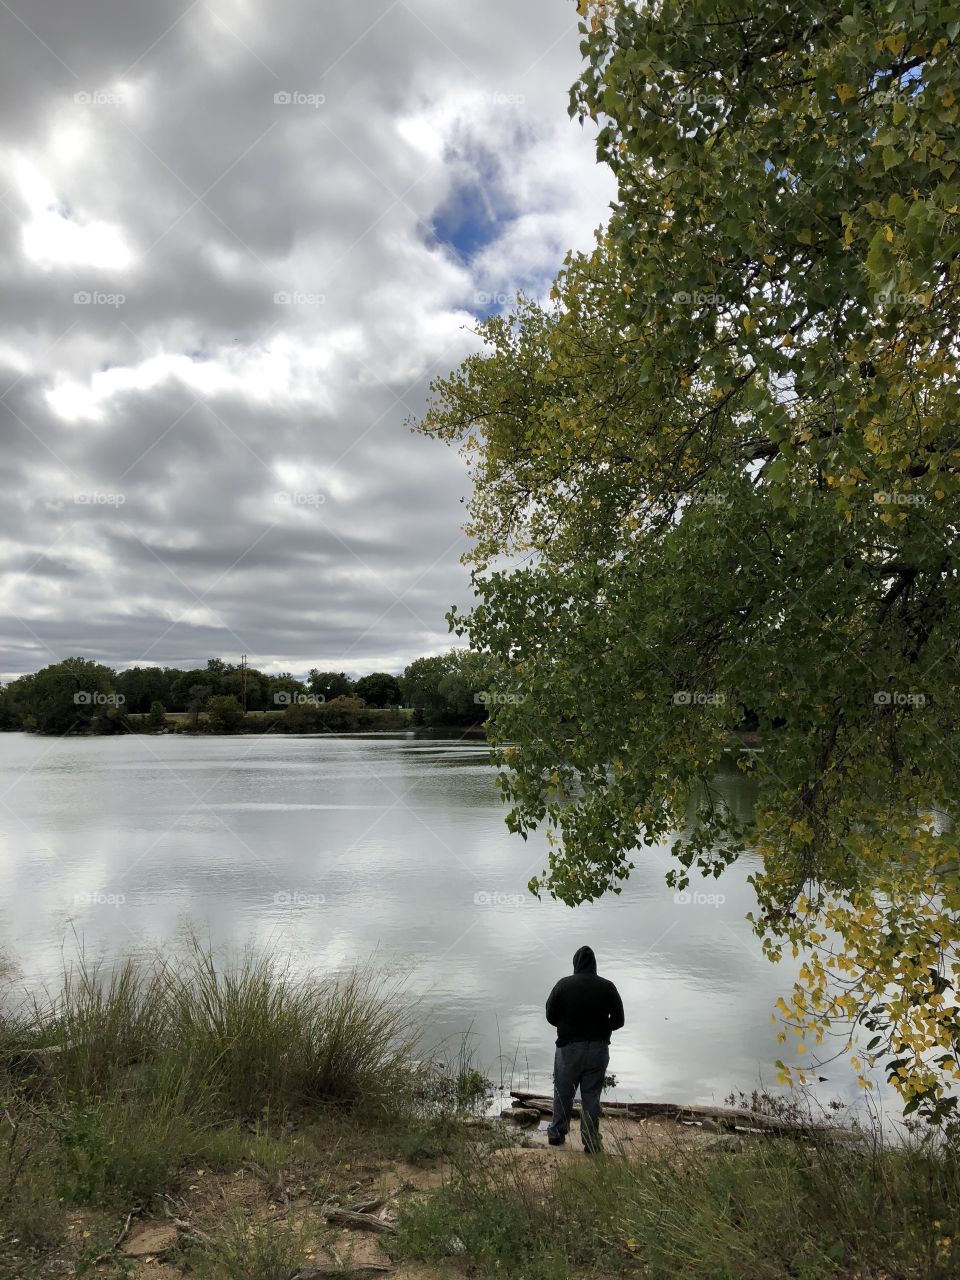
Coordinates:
(335, 850)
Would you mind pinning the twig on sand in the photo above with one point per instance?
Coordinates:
(277, 1190)
(188, 1229)
(102, 1257)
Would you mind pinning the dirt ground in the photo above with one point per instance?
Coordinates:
(152, 1247)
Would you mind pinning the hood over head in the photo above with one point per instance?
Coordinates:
(584, 961)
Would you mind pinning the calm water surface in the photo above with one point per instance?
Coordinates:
(336, 850)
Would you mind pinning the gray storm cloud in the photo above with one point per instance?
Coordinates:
(236, 242)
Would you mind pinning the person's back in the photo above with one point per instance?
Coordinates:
(584, 1006)
(585, 1009)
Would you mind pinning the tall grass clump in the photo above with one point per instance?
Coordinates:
(104, 1019)
(246, 1036)
(260, 1037)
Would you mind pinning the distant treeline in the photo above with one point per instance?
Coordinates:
(81, 696)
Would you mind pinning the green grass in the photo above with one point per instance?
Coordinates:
(252, 1251)
(778, 1210)
(115, 1084)
(247, 1038)
(127, 1080)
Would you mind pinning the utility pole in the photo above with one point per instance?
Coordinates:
(243, 682)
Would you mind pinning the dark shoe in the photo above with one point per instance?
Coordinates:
(593, 1151)
(556, 1142)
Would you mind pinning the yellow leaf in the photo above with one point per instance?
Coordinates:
(949, 97)
(787, 340)
(769, 259)
(845, 91)
(748, 324)
(805, 236)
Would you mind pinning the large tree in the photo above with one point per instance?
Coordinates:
(73, 696)
(329, 684)
(725, 465)
(379, 689)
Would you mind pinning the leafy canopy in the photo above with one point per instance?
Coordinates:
(718, 476)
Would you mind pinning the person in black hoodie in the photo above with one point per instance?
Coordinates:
(585, 1009)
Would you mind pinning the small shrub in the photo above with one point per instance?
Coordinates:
(249, 1251)
(429, 1139)
(115, 1152)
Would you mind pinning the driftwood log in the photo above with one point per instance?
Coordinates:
(335, 1269)
(728, 1118)
(362, 1221)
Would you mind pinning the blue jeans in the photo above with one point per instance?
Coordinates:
(583, 1063)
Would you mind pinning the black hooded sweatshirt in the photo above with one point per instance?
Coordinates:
(584, 1006)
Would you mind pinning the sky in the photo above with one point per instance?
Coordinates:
(237, 241)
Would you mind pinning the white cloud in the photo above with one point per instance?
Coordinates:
(51, 237)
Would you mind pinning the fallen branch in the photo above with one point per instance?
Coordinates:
(370, 1206)
(320, 1272)
(334, 1270)
(350, 1218)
